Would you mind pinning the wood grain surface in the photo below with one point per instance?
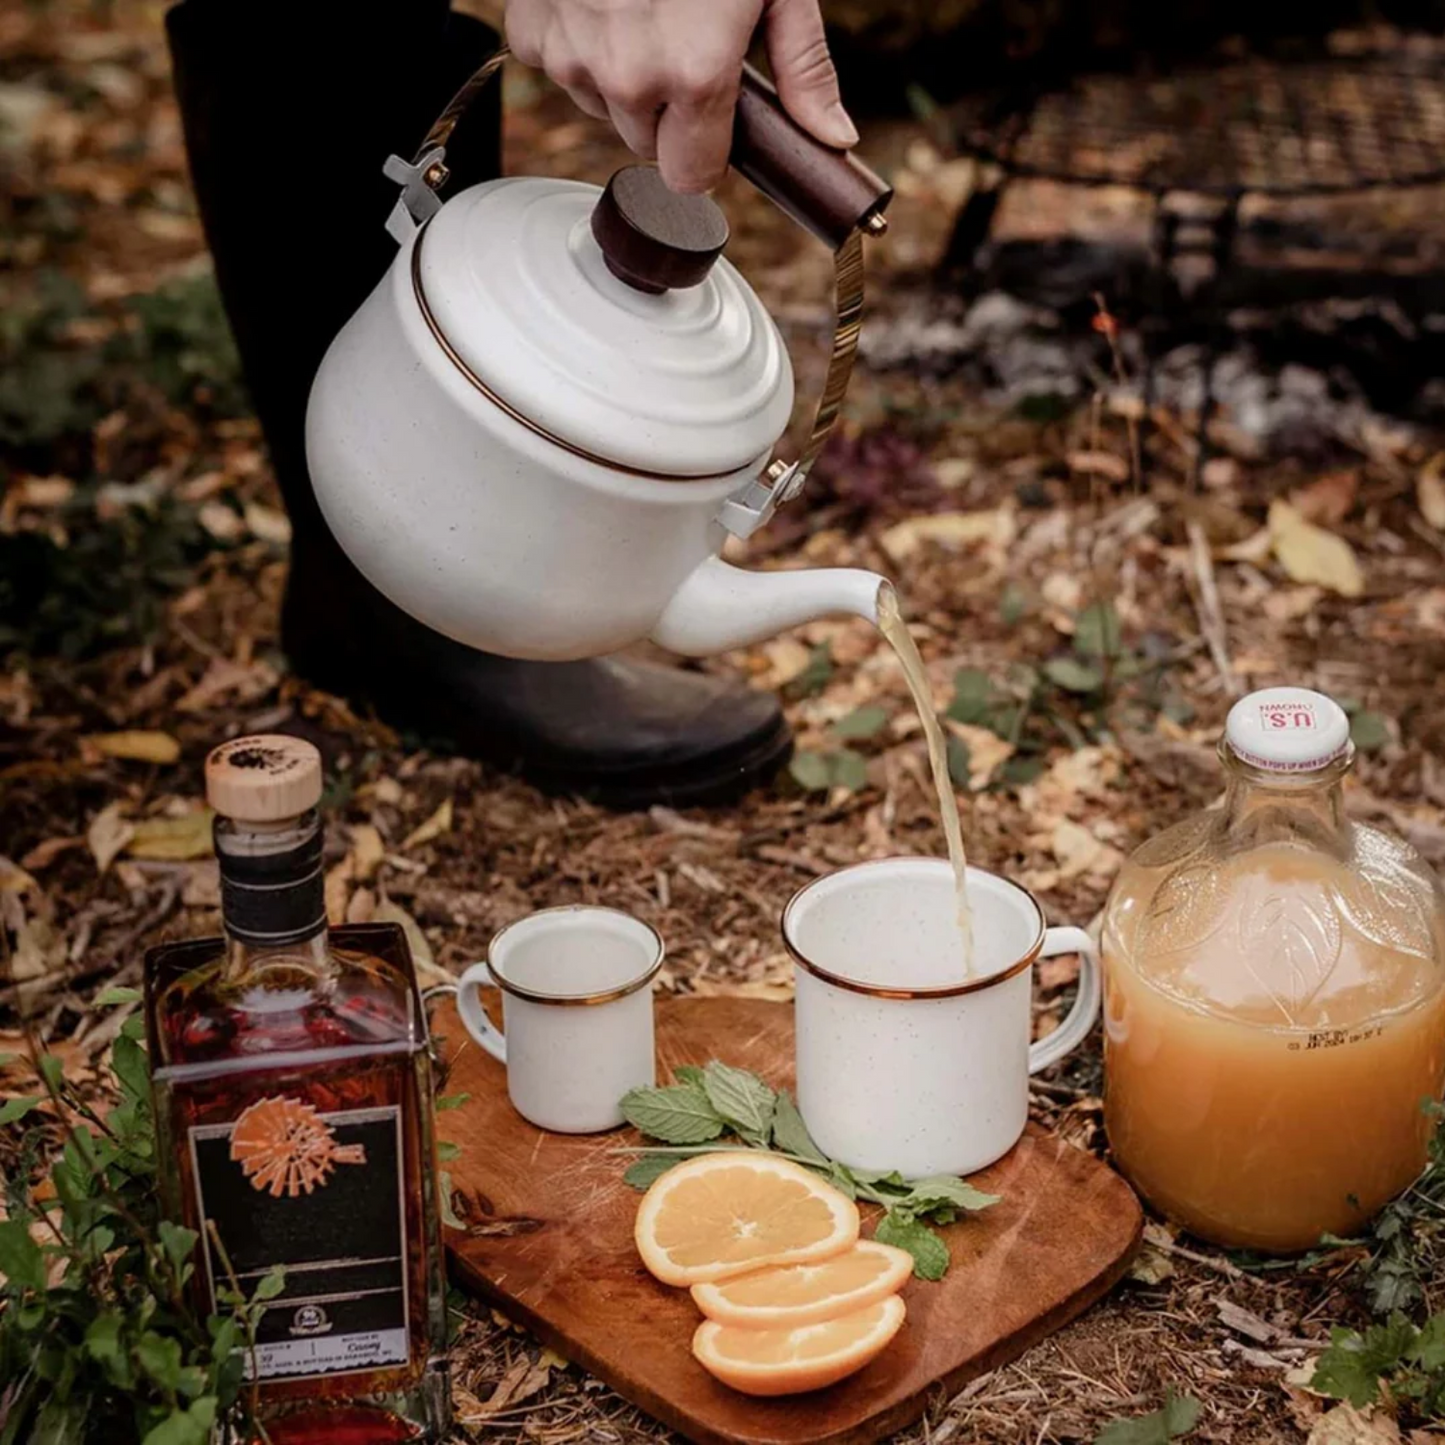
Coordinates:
(548, 1239)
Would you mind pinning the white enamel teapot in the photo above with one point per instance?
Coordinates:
(540, 428)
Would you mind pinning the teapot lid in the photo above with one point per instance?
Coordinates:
(655, 355)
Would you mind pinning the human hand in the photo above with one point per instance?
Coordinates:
(666, 72)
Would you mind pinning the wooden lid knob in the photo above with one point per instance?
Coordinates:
(653, 238)
(264, 778)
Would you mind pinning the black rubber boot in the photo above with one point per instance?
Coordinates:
(289, 112)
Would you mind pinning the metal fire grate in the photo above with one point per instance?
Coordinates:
(1283, 129)
(1255, 126)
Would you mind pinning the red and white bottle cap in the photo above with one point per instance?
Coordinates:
(1287, 730)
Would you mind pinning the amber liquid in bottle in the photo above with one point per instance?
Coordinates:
(293, 1093)
(1274, 1015)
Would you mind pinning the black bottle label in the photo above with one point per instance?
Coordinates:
(320, 1195)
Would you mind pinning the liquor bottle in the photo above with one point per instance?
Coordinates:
(292, 1079)
(1274, 1015)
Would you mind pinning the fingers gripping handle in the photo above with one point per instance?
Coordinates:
(474, 1016)
(830, 192)
(1074, 1029)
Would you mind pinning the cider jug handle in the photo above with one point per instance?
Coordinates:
(829, 192)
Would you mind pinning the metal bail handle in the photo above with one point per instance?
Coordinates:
(829, 192)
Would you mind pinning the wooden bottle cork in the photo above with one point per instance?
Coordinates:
(264, 778)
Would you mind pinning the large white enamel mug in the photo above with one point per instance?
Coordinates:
(902, 1063)
(576, 1029)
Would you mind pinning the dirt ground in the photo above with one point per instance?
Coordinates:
(136, 488)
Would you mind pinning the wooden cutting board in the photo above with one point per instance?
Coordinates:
(549, 1241)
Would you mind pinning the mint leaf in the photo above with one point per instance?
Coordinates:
(841, 1178)
(790, 1133)
(674, 1114)
(1352, 1366)
(863, 722)
(645, 1172)
(688, 1074)
(939, 1190)
(742, 1099)
(891, 1182)
(448, 1151)
(18, 1108)
(1178, 1417)
(21, 1261)
(451, 1101)
(930, 1253)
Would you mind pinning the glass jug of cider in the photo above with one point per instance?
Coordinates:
(1274, 996)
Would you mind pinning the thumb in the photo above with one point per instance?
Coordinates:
(803, 70)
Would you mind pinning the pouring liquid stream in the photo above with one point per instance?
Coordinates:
(895, 630)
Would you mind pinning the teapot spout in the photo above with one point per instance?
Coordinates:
(720, 607)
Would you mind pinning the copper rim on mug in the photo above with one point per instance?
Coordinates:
(575, 1000)
(874, 990)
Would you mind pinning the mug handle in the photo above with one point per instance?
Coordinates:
(1074, 1029)
(474, 1016)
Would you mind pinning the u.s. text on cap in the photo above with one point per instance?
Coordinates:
(1287, 730)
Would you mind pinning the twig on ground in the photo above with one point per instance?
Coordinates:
(1211, 614)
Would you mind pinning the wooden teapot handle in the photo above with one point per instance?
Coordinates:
(828, 192)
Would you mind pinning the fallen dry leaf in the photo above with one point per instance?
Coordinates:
(141, 747)
(421, 955)
(1346, 1425)
(1099, 464)
(43, 854)
(1328, 499)
(440, 822)
(1310, 554)
(1430, 491)
(367, 851)
(109, 831)
(362, 907)
(1078, 851)
(949, 529)
(986, 752)
(268, 525)
(221, 521)
(174, 840)
(233, 681)
(337, 889)
(783, 658)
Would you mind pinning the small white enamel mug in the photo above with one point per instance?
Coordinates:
(576, 1031)
(902, 1064)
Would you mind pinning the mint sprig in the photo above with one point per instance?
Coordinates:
(721, 1107)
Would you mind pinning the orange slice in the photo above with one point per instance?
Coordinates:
(789, 1362)
(784, 1296)
(737, 1210)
